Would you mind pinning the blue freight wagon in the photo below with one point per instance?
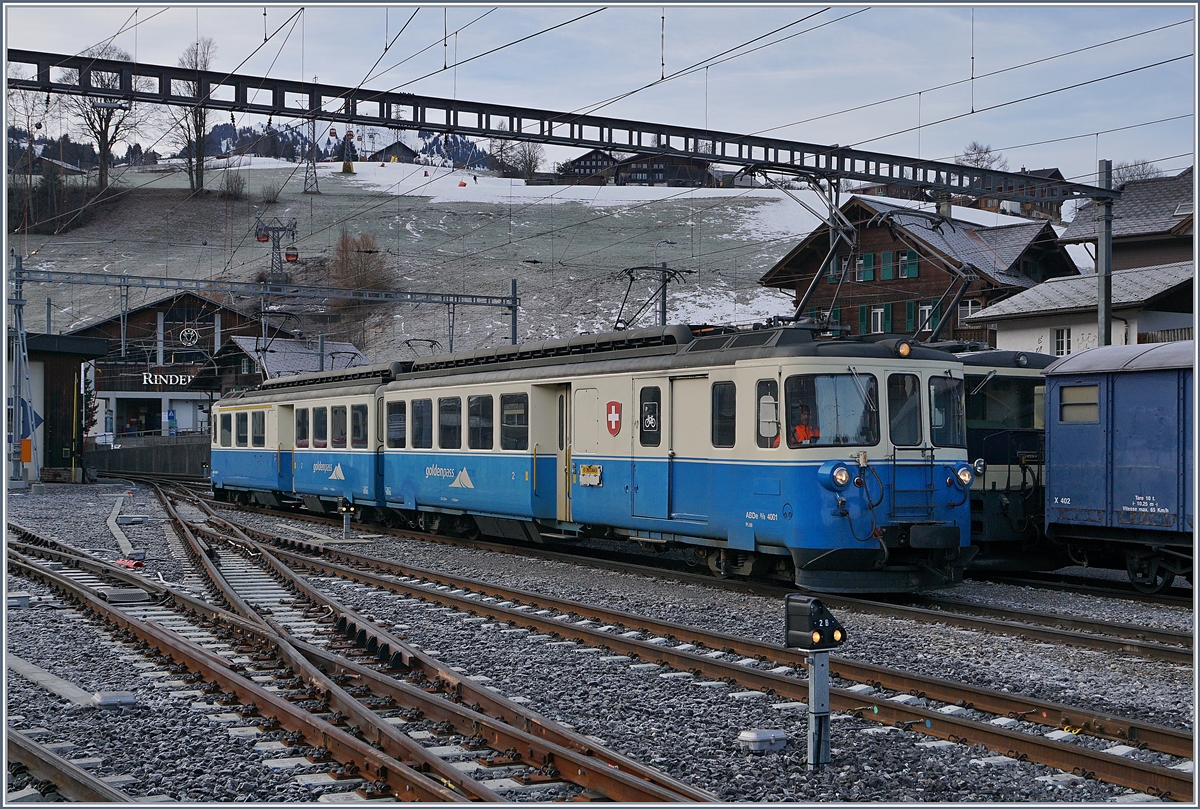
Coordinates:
(1119, 459)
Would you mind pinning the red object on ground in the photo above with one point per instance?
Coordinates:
(462, 183)
(132, 564)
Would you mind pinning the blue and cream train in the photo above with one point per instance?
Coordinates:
(841, 464)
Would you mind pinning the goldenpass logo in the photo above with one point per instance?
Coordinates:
(436, 471)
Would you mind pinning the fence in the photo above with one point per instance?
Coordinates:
(151, 455)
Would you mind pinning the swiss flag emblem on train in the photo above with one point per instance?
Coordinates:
(613, 417)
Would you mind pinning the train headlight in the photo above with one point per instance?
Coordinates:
(903, 348)
(841, 477)
(1022, 359)
(965, 476)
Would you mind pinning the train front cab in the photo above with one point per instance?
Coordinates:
(251, 457)
(1119, 459)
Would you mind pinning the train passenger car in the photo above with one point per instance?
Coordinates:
(313, 438)
(1119, 459)
(1006, 444)
(840, 464)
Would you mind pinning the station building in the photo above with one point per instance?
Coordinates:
(143, 382)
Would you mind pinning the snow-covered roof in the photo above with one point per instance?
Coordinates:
(1130, 288)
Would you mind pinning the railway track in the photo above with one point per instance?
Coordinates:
(693, 650)
(346, 721)
(71, 782)
(1107, 588)
(1048, 627)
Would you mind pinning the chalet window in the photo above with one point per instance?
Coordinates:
(1062, 342)
(907, 259)
(881, 319)
(925, 316)
(864, 267)
(968, 308)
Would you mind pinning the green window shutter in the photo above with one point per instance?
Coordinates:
(910, 316)
(887, 318)
(836, 315)
(885, 271)
(869, 267)
(936, 317)
(812, 312)
(864, 320)
(831, 271)
(912, 263)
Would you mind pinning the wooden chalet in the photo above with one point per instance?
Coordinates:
(907, 259)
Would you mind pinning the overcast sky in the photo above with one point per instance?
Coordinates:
(861, 55)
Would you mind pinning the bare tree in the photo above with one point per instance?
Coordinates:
(358, 263)
(29, 111)
(193, 126)
(1128, 170)
(106, 120)
(500, 150)
(527, 158)
(981, 156)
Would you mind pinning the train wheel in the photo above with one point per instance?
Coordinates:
(716, 565)
(1147, 574)
(430, 522)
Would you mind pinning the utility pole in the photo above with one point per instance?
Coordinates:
(512, 314)
(22, 392)
(1104, 260)
(310, 161)
(273, 232)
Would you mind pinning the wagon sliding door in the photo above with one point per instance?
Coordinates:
(651, 472)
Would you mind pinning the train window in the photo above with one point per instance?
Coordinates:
(241, 423)
(337, 427)
(450, 423)
(514, 421)
(1003, 403)
(904, 409)
(831, 410)
(358, 426)
(724, 411)
(1079, 404)
(226, 430)
(947, 415)
(651, 424)
(395, 425)
(767, 393)
(320, 426)
(422, 423)
(302, 427)
(258, 428)
(479, 422)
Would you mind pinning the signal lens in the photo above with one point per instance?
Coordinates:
(965, 477)
(816, 636)
(837, 635)
(841, 476)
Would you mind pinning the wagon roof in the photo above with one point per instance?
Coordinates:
(1113, 359)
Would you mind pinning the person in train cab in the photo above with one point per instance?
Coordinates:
(804, 431)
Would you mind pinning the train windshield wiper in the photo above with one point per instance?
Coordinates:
(862, 391)
(986, 380)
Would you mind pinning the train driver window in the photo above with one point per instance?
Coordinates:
(1079, 404)
(450, 423)
(650, 433)
(226, 430)
(766, 397)
(724, 414)
(422, 423)
(358, 426)
(904, 409)
(320, 426)
(241, 428)
(302, 427)
(337, 427)
(395, 425)
(514, 421)
(258, 428)
(947, 413)
(479, 422)
(831, 410)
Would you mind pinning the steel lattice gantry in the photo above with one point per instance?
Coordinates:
(359, 106)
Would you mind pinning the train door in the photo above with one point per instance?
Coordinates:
(285, 432)
(379, 443)
(688, 440)
(651, 474)
(563, 445)
(912, 453)
(585, 438)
